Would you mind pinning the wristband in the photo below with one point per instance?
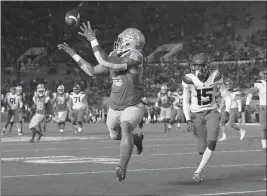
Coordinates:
(76, 58)
(94, 43)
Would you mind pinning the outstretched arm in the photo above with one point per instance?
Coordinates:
(84, 65)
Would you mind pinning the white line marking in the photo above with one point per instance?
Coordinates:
(230, 193)
(131, 170)
(161, 154)
(109, 147)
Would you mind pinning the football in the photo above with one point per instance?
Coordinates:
(72, 18)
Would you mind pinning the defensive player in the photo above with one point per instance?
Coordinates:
(260, 87)
(165, 103)
(200, 109)
(43, 106)
(125, 66)
(235, 111)
(14, 105)
(177, 110)
(78, 105)
(60, 103)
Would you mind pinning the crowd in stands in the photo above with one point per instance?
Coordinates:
(217, 32)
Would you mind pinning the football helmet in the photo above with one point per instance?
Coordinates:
(164, 88)
(40, 86)
(60, 89)
(130, 38)
(263, 74)
(229, 84)
(76, 89)
(41, 91)
(19, 90)
(199, 65)
(13, 90)
(180, 90)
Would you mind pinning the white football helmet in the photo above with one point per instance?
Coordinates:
(130, 38)
(60, 89)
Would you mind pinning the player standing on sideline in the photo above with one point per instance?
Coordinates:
(177, 110)
(23, 109)
(43, 106)
(125, 65)
(200, 109)
(164, 101)
(78, 105)
(14, 106)
(60, 103)
(260, 87)
(235, 111)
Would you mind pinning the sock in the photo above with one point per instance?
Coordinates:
(263, 142)
(61, 130)
(19, 130)
(170, 126)
(178, 125)
(79, 129)
(205, 159)
(125, 154)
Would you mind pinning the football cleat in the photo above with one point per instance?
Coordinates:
(31, 141)
(197, 178)
(138, 142)
(120, 173)
(40, 135)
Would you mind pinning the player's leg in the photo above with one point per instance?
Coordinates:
(129, 120)
(141, 124)
(172, 120)
(36, 121)
(73, 119)
(262, 115)
(180, 116)
(8, 121)
(18, 120)
(211, 120)
(232, 120)
(62, 121)
(80, 119)
(168, 117)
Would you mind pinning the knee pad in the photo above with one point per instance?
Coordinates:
(212, 145)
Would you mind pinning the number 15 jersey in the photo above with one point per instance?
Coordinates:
(202, 94)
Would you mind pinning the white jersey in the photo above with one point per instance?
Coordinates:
(261, 85)
(77, 100)
(202, 94)
(178, 102)
(14, 102)
(236, 100)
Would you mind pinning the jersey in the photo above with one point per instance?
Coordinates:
(127, 88)
(61, 101)
(77, 100)
(261, 85)
(164, 99)
(178, 102)
(13, 102)
(236, 100)
(41, 104)
(202, 94)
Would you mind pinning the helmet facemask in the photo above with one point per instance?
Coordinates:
(200, 65)
(60, 89)
(41, 92)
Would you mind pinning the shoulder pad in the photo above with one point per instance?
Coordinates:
(187, 79)
(258, 82)
(134, 55)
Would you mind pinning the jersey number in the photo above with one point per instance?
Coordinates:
(77, 99)
(204, 96)
(12, 101)
(60, 100)
(39, 106)
(164, 99)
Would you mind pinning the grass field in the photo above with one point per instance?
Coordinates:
(85, 165)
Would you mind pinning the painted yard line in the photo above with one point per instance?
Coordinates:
(230, 193)
(107, 147)
(131, 170)
(162, 154)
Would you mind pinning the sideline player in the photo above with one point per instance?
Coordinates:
(200, 109)
(125, 66)
(14, 105)
(164, 101)
(235, 111)
(77, 106)
(177, 110)
(260, 87)
(43, 106)
(60, 103)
